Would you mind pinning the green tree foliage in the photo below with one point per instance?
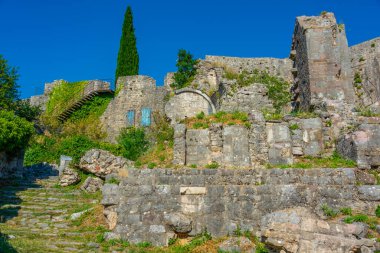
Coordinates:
(128, 58)
(8, 85)
(23, 109)
(186, 69)
(14, 131)
(134, 142)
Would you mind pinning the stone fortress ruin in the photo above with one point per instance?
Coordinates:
(335, 82)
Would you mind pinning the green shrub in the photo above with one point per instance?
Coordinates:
(15, 131)
(200, 115)
(328, 211)
(213, 165)
(151, 165)
(49, 149)
(24, 110)
(75, 147)
(373, 45)
(134, 142)
(361, 59)
(194, 166)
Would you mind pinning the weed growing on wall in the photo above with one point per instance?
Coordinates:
(278, 89)
(201, 121)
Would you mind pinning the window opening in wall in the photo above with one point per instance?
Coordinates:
(131, 118)
(146, 116)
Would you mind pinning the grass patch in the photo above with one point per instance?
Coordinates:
(328, 211)
(203, 122)
(308, 162)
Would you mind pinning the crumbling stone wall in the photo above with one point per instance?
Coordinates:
(274, 66)
(134, 94)
(155, 205)
(41, 100)
(322, 61)
(365, 60)
(363, 144)
(246, 99)
(11, 165)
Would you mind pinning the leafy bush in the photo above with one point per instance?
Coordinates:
(200, 115)
(186, 69)
(15, 132)
(24, 110)
(49, 149)
(134, 142)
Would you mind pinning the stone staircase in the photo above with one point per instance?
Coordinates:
(35, 216)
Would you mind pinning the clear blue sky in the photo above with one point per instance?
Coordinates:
(79, 39)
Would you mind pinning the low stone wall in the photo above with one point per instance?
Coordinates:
(11, 166)
(156, 205)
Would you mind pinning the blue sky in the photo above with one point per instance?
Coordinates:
(79, 39)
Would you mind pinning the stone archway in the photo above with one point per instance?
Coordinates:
(188, 102)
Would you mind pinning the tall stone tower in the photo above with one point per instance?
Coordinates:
(322, 67)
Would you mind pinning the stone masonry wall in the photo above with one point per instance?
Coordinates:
(11, 166)
(41, 100)
(156, 205)
(246, 99)
(322, 44)
(135, 93)
(273, 142)
(365, 60)
(278, 67)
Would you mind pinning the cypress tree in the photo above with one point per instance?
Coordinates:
(128, 58)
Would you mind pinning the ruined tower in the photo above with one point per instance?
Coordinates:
(322, 67)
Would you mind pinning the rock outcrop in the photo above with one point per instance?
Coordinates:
(68, 177)
(101, 163)
(298, 230)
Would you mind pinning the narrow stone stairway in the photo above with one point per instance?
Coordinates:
(35, 215)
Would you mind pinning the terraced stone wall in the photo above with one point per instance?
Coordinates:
(156, 205)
